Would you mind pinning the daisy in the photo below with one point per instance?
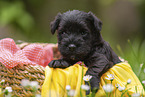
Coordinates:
(71, 93)
(87, 78)
(110, 77)
(2, 81)
(121, 88)
(143, 82)
(34, 84)
(108, 88)
(9, 89)
(128, 81)
(85, 87)
(25, 82)
(117, 85)
(37, 95)
(68, 87)
(141, 65)
(135, 95)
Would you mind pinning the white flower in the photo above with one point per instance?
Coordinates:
(144, 70)
(87, 78)
(37, 95)
(34, 84)
(71, 93)
(110, 77)
(117, 85)
(143, 82)
(128, 81)
(141, 65)
(108, 88)
(85, 87)
(135, 95)
(2, 81)
(68, 87)
(9, 89)
(121, 88)
(122, 59)
(25, 82)
(8, 95)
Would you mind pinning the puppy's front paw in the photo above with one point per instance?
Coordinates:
(58, 64)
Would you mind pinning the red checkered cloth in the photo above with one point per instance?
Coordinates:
(11, 55)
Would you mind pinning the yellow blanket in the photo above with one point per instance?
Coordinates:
(57, 79)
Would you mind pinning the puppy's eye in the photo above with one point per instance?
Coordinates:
(83, 33)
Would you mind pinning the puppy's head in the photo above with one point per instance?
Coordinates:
(77, 32)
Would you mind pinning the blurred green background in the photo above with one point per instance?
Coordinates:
(29, 20)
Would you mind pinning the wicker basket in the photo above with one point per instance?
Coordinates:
(14, 76)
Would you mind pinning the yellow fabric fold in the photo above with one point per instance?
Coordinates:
(57, 79)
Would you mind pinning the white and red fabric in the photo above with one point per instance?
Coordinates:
(11, 55)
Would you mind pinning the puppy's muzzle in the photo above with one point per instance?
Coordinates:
(72, 47)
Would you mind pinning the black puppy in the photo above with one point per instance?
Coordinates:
(79, 39)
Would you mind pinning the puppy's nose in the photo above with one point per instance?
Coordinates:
(72, 47)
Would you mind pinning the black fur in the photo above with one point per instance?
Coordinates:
(79, 39)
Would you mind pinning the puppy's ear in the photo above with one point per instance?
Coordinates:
(55, 24)
(96, 22)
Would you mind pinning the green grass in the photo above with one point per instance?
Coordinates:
(135, 55)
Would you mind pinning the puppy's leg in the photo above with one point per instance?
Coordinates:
(59, 63)
(97, 65)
